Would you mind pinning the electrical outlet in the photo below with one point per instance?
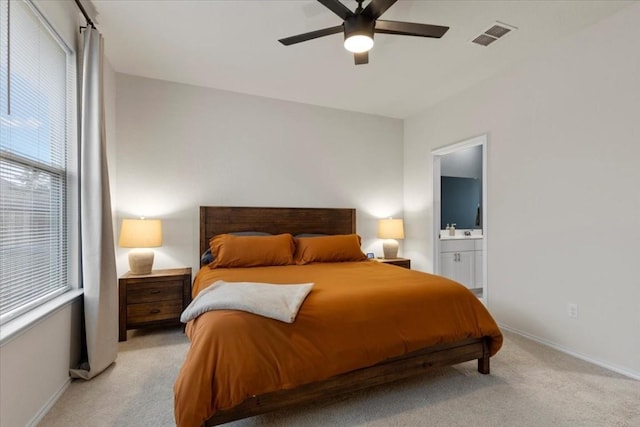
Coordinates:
(572, 310)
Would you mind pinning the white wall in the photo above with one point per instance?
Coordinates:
(563, 187)
(34, 366)
(180, 147)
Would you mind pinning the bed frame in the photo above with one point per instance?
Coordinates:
(216, 220)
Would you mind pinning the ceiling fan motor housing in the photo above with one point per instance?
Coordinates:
(359, 25)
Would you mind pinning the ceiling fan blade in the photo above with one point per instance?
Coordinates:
(377, 8)
(311, 35)
(338, 8)
(410, 29)
(361, 58)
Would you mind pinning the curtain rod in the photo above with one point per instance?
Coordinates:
(84, 12)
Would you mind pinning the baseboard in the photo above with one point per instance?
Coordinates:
(49, 404)
(620, 370)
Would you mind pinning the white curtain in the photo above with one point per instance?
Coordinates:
(98, 267)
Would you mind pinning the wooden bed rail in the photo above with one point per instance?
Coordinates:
(395, 369)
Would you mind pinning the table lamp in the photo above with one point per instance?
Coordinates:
(390, 230)
(140, 234)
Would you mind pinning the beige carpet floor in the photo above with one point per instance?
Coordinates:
(529, 385)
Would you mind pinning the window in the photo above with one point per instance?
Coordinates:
(37, 75)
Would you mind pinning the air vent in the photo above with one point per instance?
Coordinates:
(493, 33)
(484, 40)
(497, 31)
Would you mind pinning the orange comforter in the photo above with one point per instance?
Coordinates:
(358, 314)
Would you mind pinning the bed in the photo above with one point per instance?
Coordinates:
(240, 364)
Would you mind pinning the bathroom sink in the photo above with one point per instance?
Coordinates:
(461, 237)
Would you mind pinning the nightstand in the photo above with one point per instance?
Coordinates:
(400, 262)
(156, 299)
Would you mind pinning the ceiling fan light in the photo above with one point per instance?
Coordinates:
(358, 33)
(358, 43)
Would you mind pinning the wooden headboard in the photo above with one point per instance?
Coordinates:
(225, 219)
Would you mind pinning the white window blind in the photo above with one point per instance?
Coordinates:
(35, 97)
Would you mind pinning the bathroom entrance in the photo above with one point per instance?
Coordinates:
(460, 213)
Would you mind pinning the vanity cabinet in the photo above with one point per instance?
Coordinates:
(461, 260)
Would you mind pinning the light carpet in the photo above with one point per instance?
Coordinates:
(529, 385)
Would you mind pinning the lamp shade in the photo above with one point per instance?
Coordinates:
(390, 229)
(141, 233)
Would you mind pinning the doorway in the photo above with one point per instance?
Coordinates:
(460, 184)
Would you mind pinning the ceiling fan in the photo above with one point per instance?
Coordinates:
(359, 27)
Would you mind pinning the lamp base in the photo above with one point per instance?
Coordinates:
(390, 248)
(140, 261)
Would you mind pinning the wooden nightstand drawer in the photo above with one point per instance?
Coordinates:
(154, 291)
(153, 311)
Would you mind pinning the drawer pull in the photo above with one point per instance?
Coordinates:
(155, 311)
(154, 291)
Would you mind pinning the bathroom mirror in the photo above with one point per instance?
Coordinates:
(461, 198)
(461, 189)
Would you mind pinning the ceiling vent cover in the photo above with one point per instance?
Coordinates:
(493, 33)
(484, 40)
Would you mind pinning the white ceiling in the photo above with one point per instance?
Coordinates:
(232, 45)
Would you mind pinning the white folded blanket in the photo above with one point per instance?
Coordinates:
(280, 302)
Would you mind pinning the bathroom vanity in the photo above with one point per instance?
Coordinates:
(461, 259)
